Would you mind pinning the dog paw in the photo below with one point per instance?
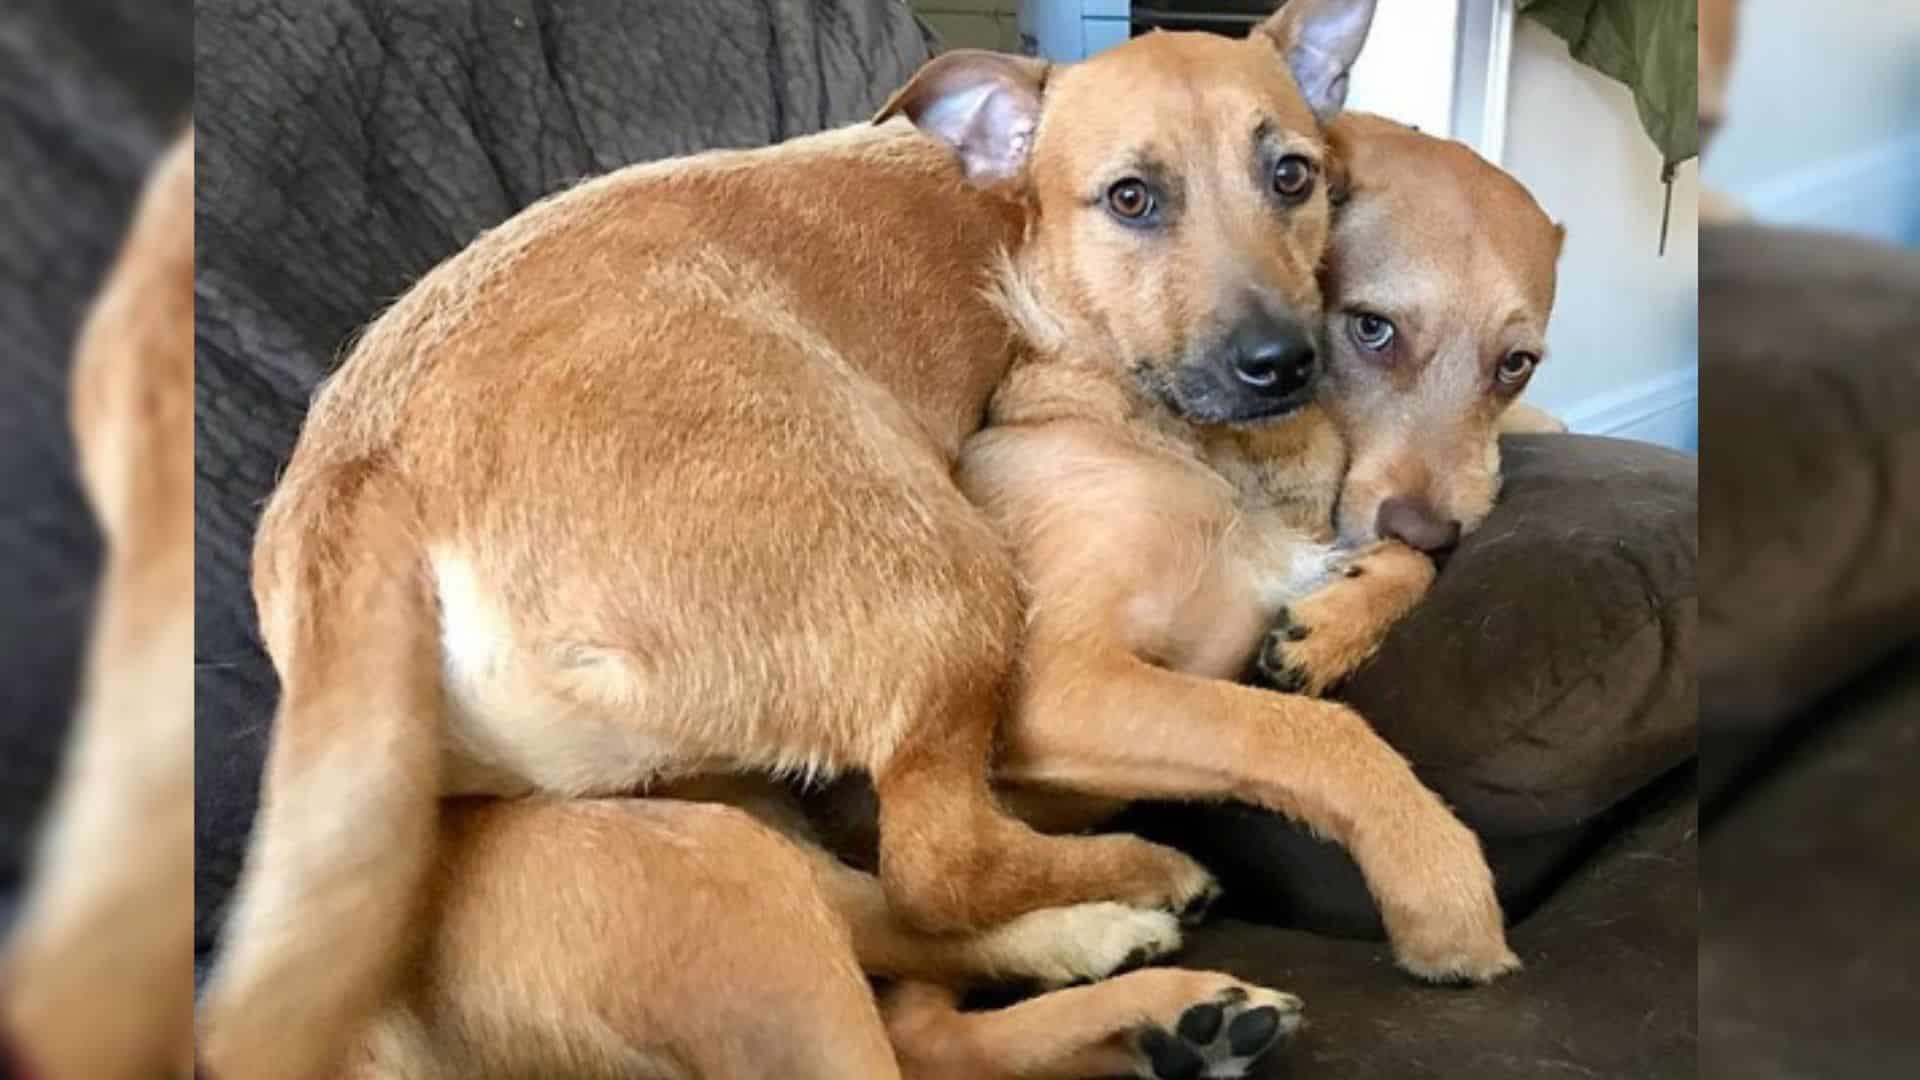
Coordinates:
(1447, 927)
(1461, 963)
(1190, 889)
(1284, 662)
(1062, 946)
(1220, 1037)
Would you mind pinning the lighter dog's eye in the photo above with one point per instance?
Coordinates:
(1292, 177)
(1130, 199)
(1515, 367)
(1371, 332)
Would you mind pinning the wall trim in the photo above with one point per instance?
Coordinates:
(1813, 194)
(1663, 409)
(1483, 70)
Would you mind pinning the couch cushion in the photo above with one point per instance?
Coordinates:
(1811, 373)
(345, 149)
(90, 91)
(1609, 987)
(1810, 880)
(1548, 676)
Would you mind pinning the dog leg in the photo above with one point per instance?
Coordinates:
(612, 939)
(1109, 724)
(1052, 946)
(1163, 1023)
(99, 968)
(952, 859)
(340, 856)
(1325, 636)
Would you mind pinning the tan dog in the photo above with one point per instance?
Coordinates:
(1159, 546)
(99, 971)
(626, 492)
(575, 913)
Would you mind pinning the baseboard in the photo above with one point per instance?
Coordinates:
(1664, 409)
(1872, 191)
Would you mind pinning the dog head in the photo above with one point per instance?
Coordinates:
(1439, 283)
(1177, 194)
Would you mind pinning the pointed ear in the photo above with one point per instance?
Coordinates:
(985, 105)
(1320, 40)
(1559, 240)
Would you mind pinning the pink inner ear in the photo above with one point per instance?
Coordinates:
(989, 126)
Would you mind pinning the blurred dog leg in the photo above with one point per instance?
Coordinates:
(1719, 25)
(98, 978)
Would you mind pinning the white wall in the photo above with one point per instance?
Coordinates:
(1624, 343)
(1823, 121)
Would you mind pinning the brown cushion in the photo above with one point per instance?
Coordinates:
(1549, 675)
(1609, 988)
(1810, 360)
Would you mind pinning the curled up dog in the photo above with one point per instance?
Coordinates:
(583, 529)
(1417, 340)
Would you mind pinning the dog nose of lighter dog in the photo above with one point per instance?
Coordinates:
(1411, 520)
(1274, 357)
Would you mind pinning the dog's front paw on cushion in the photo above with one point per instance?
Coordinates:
(1548, 676)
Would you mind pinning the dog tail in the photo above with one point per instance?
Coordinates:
(338, 867)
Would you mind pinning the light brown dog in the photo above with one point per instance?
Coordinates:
(579, 913)
(98, 974)
(1158, 546)
(629, 490)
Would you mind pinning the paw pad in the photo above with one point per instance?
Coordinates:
(1196, 910)
(1218, 1038)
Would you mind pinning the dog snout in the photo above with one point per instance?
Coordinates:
(1413, 521)
(1274, 357)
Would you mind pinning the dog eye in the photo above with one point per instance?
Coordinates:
(1292, 177)
(1515, 367)
(1372, 332)
(1130, 200)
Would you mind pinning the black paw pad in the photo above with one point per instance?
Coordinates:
(1170, 1058)
(1197, 908)
(1201, 1024)
(1219, 1037)
(1284, 628)
(1253, 1031)
(1135, 960)
(1284, 677)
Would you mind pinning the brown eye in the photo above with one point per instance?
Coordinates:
(1130, 200)
(1372, 332)
(1292, 177)
(1515, 367)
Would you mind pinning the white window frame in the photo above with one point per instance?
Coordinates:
(1441, 65)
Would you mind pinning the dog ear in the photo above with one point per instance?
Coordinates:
(1320, 40)
(1559, 240)
(985, 105)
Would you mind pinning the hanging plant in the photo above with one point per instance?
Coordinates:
(1651, 46)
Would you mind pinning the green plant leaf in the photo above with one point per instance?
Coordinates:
(1652, 47)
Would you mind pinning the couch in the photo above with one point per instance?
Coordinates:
(1810, 656)
(1547, 689)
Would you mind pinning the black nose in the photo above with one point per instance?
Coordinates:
(1273, 357)
(1412, 521)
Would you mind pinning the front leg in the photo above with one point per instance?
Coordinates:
(1101, 721)
(1319, 640)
